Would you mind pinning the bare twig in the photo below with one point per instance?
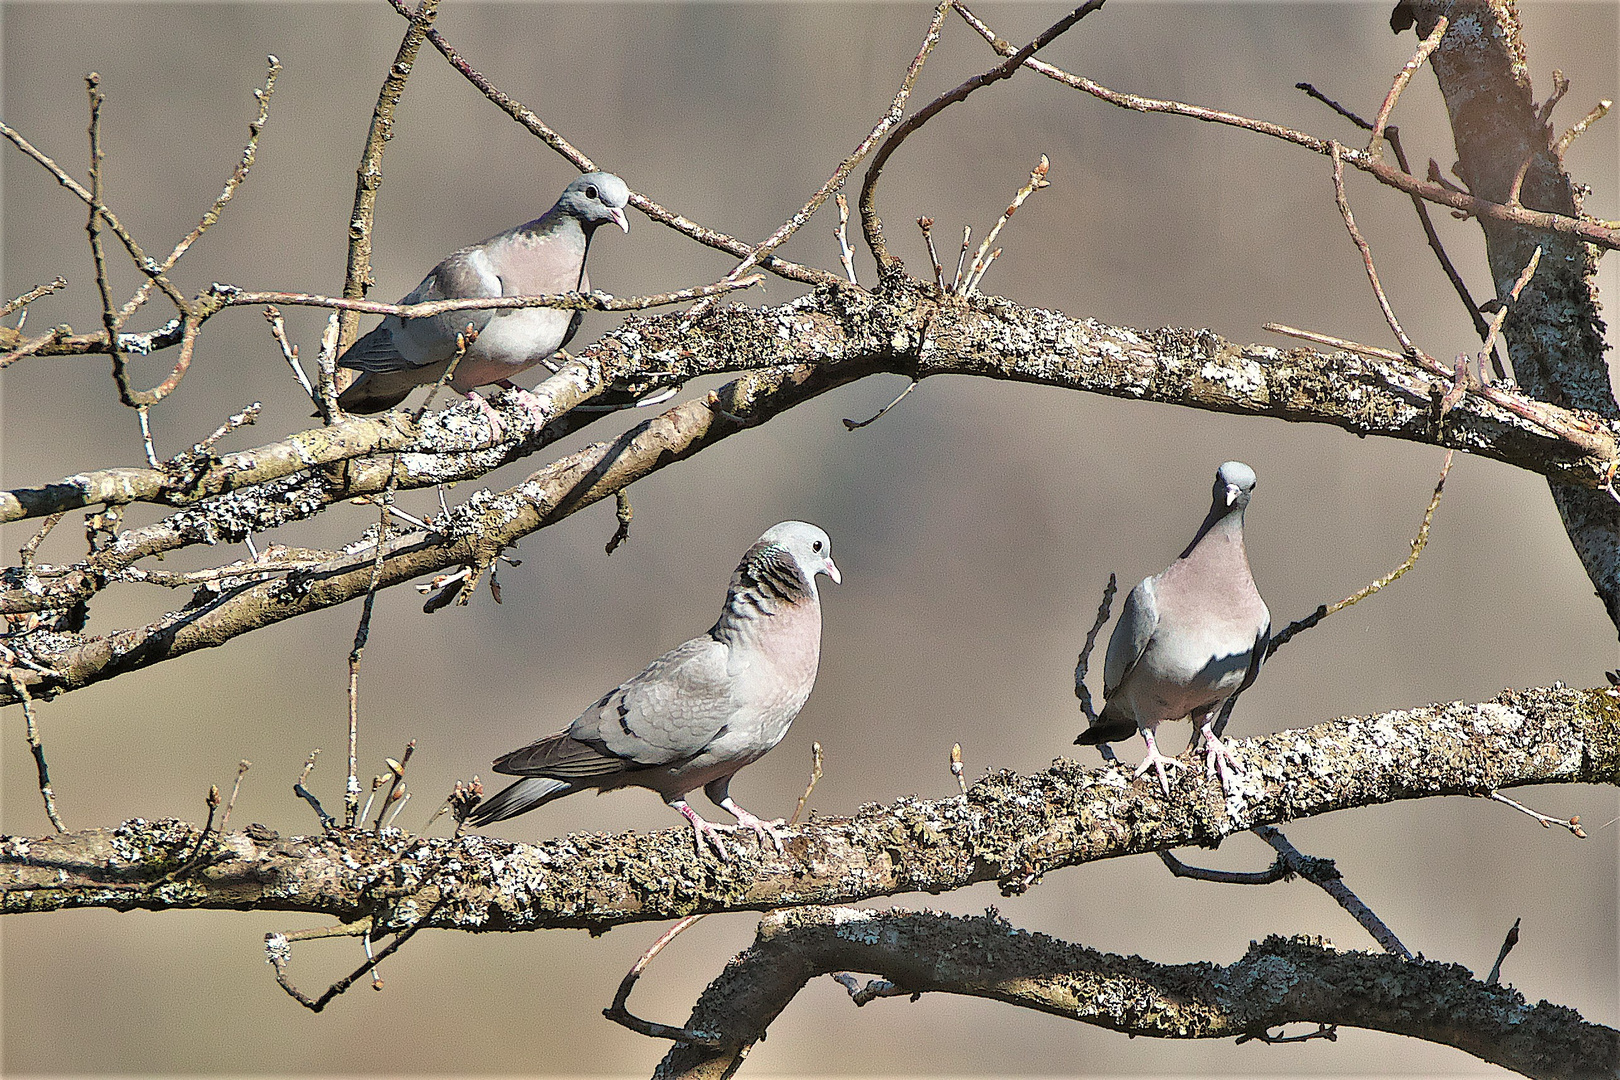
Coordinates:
(1282, 637)
(926, 224)
(1508, 942)
(1512, 298)
(957, 769)
(845, 256)
(1279, 870)
(981, 262)
(1425, 48)
(1599, 111)
(54, 285)
(620, 1014)
(1366, 251)
(231, 296)
(37, 748)
(1083, 663)
(368, 175)
(1325, 876)
(856, 425)
(1603, 234)
(622, 512)
(1393, 136)
(278, 952)
(815, 776)
(1573, 824)
(888, 264)
(396, 770)
(327, 820)
(278, 330)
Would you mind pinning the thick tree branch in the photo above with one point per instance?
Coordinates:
(1507, 153)
(1008, 828)
(1278, 981)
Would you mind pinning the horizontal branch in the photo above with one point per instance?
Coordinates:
(909, 334)
(1278, 981)
(1007, 828)
(595, 300)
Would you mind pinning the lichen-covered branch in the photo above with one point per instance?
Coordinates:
(826, 339)
(1278, 981)
(1007, 828)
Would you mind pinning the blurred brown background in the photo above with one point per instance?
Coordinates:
(975, 524)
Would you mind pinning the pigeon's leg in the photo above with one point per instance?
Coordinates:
(490, 414)
(701, 830)
(765, 830)
(1157, 761)
(1218, 758)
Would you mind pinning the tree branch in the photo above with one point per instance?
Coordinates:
(1008, 828)
(1278, 981)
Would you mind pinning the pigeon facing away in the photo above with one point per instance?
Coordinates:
(546, 255)
(1188, 638)
(701, 711)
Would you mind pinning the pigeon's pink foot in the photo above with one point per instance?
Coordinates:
(1157, 762)
(1219, 760)
(497, 428)
(703, 831)
(766, 830)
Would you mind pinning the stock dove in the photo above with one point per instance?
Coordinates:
(701, 711)
(1189, 638)
(546, 255)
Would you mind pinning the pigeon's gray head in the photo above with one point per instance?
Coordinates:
(1233, 483)
(808, 547)
(596, 198)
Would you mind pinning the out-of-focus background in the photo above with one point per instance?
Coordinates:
(976, 524)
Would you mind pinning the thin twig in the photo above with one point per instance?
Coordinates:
(873, 227)
(37, 748)
(1083, 664)
(981, 262)
(1573, 824)
(815, 775)
(234, 181)
(926, 224)
(957, 768)
(1511, 298)
(278, 330)
(1325, 876)
(622, 513)
(620, 1014)
(1343, 201)
(1599, 111)
(1508, 942)
(1276, 872)
(845, 256)
(231, 296)
(55, 284)
(30, 549)
(1282, 637)
(368, 175)
(397, 769)
(278, 952)
(855, 425)
(241, 770)
(326, 820)
(1425, 48)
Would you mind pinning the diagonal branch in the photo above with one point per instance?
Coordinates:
(1278, 981)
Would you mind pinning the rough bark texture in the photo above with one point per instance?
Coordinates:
(812, 345)
(1278, 981)
(1008, 828)
(1554, 333)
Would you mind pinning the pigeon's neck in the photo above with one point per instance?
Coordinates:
(767, 586)
(1223, 524)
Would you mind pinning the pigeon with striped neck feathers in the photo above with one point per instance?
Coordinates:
(701, 711)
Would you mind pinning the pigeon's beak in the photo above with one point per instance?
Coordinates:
(618, 218)
(832, 572)
(1232, 493)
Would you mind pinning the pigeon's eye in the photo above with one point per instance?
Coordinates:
(590, 192)
(816, 546)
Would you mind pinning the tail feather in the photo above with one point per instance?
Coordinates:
(373, 393)
(1110, 726)
(519, 798)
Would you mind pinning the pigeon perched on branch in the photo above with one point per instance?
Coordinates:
(704, 709)
(1189, 638)
(546, 255)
